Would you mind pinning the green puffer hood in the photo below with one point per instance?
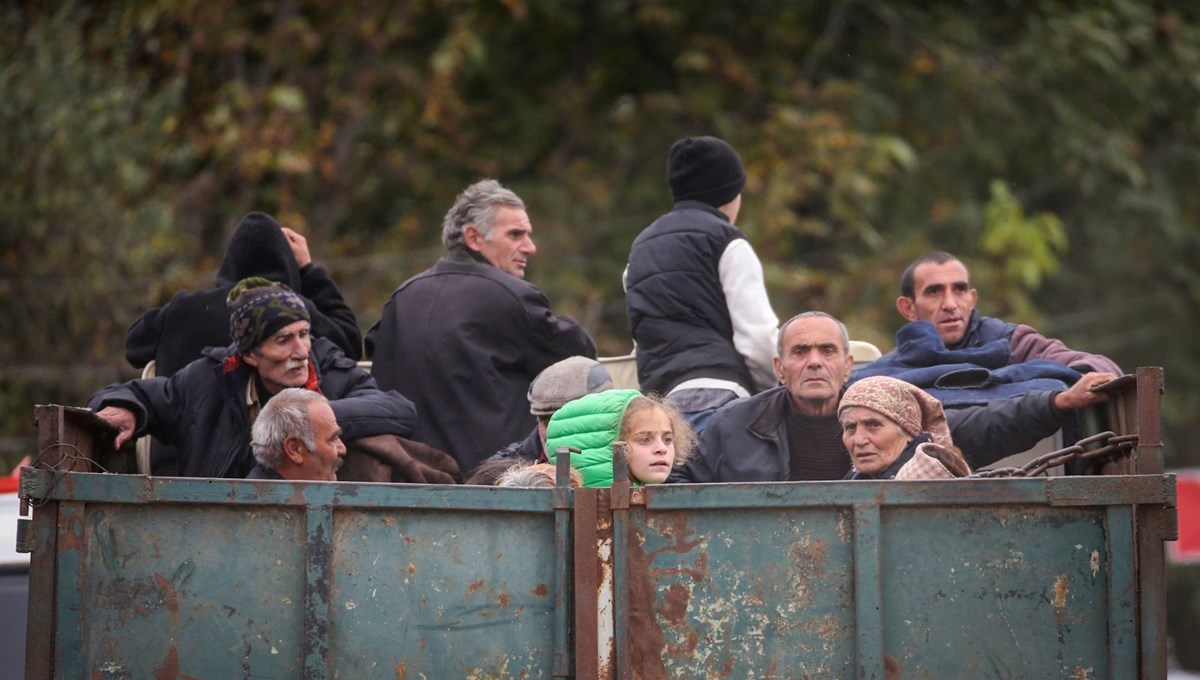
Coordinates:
(591, 424)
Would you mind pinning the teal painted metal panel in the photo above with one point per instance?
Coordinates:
(155, 579)
(442, 595)
(742, 594)
(202, 591)
(997, 578)
(1010, 591)
(219, 578)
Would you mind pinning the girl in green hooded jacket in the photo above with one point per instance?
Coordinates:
(658, 437)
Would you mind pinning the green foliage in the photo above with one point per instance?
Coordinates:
(1026, 248)
(1052, 145)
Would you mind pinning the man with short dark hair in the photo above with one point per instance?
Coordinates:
(296, 437)
(936, 288)
(792, 433)
(694, 291)
(206, 409)
(464, 338)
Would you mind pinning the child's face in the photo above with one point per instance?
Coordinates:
(651, 446)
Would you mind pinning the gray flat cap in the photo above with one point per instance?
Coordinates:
(566, 381)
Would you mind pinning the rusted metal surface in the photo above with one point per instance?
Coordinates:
(1020, 577)
(73, 439)
(1105, 446)
(938, 582)
(155, 579)
(593, 630)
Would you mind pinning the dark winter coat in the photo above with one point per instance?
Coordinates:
(201, 410)
(463, 340)
(173, 335)
(746, 441)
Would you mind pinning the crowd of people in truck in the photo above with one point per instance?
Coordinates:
(474, 379)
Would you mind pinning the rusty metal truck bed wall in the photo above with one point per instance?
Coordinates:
(962, 579)
(195, 578)
(1001, 578)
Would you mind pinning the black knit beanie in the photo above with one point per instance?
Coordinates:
(704, 169)
(258, 308)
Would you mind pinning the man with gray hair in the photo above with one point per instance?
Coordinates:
(464, 339)
(296, 436)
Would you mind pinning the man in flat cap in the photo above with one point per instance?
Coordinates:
(702, 323)
(207, 408)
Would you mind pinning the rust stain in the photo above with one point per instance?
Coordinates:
(504, 599)
(389, 521)
(411, 569)
(687, 649)
(72, 538)
(675, 604)
(170, 595)
(1060, 593)
(169, 670)
(541, 590)
(1095, 563)
(401, 669)
(474, 587)
(1082, 673)
(647, 640)
(891, 667)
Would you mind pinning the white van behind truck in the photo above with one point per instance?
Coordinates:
(14, 586)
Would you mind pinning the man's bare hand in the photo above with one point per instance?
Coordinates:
(299, 246)
(122, 419)
(1080, 395)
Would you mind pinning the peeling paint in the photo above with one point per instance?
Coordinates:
(1060, 593)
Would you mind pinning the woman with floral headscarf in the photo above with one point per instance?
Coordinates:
(895, 430)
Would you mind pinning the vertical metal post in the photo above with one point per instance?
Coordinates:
(1122, 592)
(620, 514)
(70, 611)
(318, 555)
(563, 562)
(1152, 529)
(868, 591)
(41, 539)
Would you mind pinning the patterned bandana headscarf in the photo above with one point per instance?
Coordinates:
(905, 404)
(258, 308)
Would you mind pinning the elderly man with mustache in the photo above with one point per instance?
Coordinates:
(208, 408)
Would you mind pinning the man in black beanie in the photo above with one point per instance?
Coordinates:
(206, 409)
(694, 291)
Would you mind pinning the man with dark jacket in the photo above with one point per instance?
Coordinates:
(173, 335)
(207, 408)
(792, 433)
(464, 338)
(698, 308)
(936, 288)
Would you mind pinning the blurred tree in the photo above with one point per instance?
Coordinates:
(1055, 146)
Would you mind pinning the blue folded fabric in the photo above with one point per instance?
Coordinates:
(962, 377)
